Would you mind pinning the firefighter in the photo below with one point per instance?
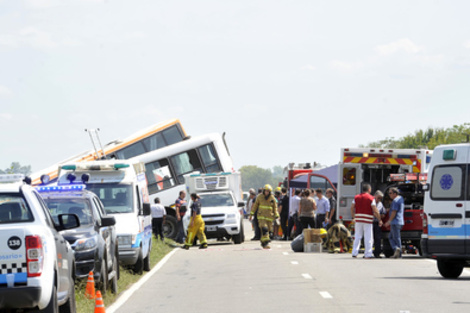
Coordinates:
(196, 225)
(338, 235)
(266, 205)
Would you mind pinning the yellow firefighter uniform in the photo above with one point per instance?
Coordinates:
(338, 235)
(267, 213)
(196, 227)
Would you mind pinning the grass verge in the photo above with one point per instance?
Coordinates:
(127, 278)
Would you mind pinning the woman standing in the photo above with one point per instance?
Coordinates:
(196, 224)
(307, 211)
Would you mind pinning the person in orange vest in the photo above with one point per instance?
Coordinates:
(266, 205)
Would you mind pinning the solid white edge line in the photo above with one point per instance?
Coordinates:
(326, 295)
(129, 292)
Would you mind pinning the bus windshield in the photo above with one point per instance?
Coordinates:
(116, 198)
(216, 200)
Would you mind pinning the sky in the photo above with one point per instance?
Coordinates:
(288, 81)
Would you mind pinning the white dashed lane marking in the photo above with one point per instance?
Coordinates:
(307, 276)
(285, 253)
(295, 262)
(326, 295)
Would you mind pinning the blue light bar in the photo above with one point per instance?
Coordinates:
(61, 188)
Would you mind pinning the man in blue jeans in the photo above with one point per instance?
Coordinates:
(180, 205)
(396, 221)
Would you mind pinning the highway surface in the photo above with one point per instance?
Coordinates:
(244, 278)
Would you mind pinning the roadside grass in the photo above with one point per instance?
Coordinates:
(126, 279)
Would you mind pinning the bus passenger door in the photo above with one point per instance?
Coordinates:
(349, 185)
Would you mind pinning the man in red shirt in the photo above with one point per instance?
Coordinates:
(363, 214)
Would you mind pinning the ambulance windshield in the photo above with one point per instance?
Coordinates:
(116, 198)
(216, 200)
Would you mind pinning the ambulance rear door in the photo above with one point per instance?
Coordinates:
(448, 229)
(349, 185)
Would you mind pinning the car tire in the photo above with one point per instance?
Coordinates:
(114, 281)
(70, 306)
(53, 306)
(238, 238)
(103, 287)
(450, 269)
(139, 265)
(147, 260)
(170, 227)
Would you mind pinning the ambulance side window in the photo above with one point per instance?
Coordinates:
(448, 182)
(349, 176)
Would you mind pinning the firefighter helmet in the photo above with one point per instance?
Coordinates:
(278, 189)
(268, 187)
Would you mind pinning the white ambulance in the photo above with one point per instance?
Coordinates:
(221, 204)
(122, 188)
(447, 210)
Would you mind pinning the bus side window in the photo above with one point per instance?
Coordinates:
(159, 176)
(154, 142)
(209, 158)
(172, 135)
(184, 163)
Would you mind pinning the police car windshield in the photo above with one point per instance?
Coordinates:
(13, 209)
(115, 198)
(216, 200)
(79, 207)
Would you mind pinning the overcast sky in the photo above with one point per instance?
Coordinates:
(288, 81)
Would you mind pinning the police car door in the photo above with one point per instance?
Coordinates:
(447, 206)
(349, 185)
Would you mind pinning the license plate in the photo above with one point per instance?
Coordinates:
(211, 228)
(446, 223)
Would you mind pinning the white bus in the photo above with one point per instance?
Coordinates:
(166, 167)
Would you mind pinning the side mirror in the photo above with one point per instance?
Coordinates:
(425, 187)
(108, 221)
(146, 209)
(241, 204)
(68, 221)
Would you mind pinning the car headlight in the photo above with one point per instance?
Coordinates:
(86, 244)
(127, 240)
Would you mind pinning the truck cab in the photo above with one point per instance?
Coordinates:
(122, 188)
(447, 210)
(221, 204)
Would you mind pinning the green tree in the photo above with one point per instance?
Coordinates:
(256, 177)
(16, 168)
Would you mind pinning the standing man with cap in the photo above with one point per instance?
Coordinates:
(396, 221)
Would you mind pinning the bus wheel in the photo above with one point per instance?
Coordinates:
(170, 227)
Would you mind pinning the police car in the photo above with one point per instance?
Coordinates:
(36, 262)
(94, 242)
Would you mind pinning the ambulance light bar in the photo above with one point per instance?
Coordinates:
(210, 174)
(11, 178)
(61, 188)
(95, 167)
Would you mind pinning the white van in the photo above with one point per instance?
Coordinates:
(122, 188)
(446, 234)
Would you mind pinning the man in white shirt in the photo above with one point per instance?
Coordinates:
(294, 215)
(158, 218)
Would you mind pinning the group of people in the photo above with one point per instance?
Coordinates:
(368, 211)
(308, 208)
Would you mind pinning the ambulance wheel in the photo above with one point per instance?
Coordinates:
(170, 227)
(139, 265)
(147, 261)
(449, 269)
(53, 306)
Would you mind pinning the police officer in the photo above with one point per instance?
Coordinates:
(266, 205)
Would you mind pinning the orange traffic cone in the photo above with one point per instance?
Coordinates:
(99, 304)
(90, 287)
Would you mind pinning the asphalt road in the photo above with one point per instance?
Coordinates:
(245, 278)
